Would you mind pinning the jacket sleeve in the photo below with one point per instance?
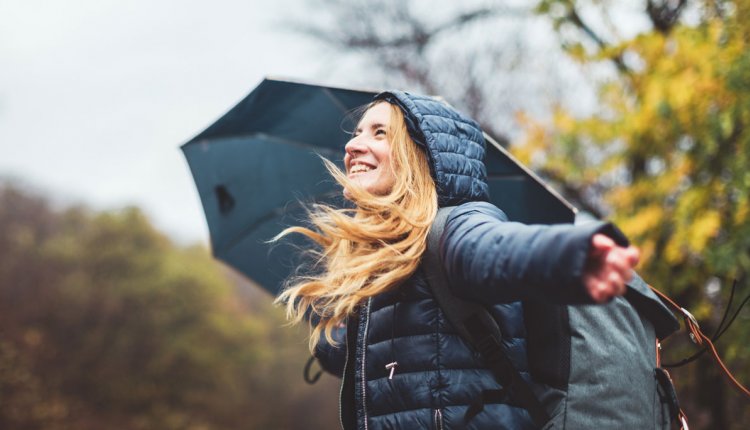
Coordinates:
(332, 358)
(492, 260)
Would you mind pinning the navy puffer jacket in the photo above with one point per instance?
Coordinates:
(488, 259)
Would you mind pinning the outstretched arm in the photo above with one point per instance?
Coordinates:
(492, 260)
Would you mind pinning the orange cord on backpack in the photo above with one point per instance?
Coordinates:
(699, 338)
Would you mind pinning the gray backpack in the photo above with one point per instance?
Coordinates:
(594, 366)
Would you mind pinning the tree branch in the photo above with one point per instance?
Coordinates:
(665, 15)
(417, 35)
(575, 18)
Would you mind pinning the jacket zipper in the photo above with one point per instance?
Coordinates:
(438, 419)
(364, 361)
(343, 379)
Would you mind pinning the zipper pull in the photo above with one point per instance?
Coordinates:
(392, 368)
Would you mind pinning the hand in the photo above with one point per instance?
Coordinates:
(608, 268)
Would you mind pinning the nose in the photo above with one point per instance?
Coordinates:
(355, 146)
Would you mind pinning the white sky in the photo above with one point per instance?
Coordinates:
(97, 95)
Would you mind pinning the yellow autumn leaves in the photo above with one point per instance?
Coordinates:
(664, 153)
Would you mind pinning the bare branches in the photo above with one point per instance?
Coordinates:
(484, 57)
(418, 35)
(417, 72)
(665, 14)
(402, 27)
(466, 18)
(574, 18)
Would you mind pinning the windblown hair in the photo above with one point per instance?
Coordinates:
(367, 250)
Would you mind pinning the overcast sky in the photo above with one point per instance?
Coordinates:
(96, 96)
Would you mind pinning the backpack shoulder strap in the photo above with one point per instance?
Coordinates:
(476, 326)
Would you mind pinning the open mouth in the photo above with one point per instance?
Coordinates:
(358, 168)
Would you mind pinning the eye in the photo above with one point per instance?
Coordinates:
(380, 131)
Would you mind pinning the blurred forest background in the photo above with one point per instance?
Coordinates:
(106, 323)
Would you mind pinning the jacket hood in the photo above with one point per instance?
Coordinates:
(454, 143)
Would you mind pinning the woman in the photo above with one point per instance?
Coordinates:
(378, 325)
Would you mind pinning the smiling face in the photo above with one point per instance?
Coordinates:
(368, 153)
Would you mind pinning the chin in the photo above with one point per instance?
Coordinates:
(375, 186)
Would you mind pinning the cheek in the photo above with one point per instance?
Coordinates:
(387, 177)
(381, 149)
(385, 163)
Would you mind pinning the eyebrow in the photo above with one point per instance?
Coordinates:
(374, 126)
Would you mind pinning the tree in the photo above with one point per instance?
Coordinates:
(107, 324)
(491, 59)
(663, 152)
(666, 153)
(452, 50)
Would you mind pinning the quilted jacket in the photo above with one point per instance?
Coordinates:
(488, 259)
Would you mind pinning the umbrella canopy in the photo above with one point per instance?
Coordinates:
(259, 163)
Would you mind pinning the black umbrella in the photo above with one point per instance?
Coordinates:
(257, 164)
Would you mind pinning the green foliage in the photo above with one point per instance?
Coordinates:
(106, 324)
(668, 153)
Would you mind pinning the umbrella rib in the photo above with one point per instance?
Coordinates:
(330, 153)
(279, 211)
(506, 176)
(342, 107)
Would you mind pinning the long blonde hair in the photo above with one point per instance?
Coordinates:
(369, 249)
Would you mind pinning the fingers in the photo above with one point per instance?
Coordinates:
(599, 290)
(609, 268)
(633, 255)
(617, 260)
(616, 283)
(622, 261)
(603, 285)
(601, 243)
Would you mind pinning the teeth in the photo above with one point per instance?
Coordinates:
(359, 168)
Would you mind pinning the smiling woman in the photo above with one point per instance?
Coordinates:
(396, 209)
(376, 322)
(368, 153)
